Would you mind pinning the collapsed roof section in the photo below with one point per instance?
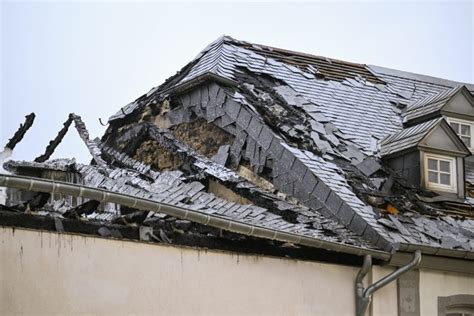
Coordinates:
(235, 198)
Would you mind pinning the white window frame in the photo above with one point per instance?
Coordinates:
(464, 122)
(452, 171)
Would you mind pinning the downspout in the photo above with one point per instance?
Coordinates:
(364, 296)
(213, 220)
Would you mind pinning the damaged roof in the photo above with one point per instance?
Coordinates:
(310, 126)
(172, 188)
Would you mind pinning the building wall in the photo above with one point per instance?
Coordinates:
(384, 301)
(56, 274)
(434, 284)
(45, 273)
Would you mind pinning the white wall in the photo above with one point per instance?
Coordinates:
(44, 273)
(384, 301)
(47, 273)
(434, 283)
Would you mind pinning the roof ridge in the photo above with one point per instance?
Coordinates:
(370, 67)
(288, 51)
(419, 77)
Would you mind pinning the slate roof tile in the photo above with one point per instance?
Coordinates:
(407, 138)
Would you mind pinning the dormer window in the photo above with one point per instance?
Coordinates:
(464, 130)
(440, 173)
(429, 156)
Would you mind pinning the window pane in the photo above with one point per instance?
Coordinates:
(455, 126)
(466, 140)
(465, 130)
(444, 166)
(433, 177)
(445, 178)
(432, 164)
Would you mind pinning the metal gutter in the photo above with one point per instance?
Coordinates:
(42, 185)
(438, 251)
(434, 263)
(364, 296)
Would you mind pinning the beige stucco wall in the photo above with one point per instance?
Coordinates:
(384, 301)
(48, 273)
(45, 273)
(435, 283)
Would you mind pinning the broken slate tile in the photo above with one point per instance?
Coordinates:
(358, 225)
(254, 128)
(276, 149)
(222, 155)
(387, 186)
(333, 139)
(321, 191)
(213, 90)
(265, 137)
(298, 170)
(232, 108)
(196, 98)
(244, 117)
(255, 160)
(287, 160)
(369, 166)
(319, 117)
(319, 143)
(250, 148)
(399, 225)
(346, 214)
(238, 143)
(334, 202)
(226, 120)
(377, 182)
(309, 181)
(318, 127)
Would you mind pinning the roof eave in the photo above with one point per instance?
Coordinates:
(438, 251)
(194, 82)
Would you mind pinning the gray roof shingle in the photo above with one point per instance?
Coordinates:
(407, 138)
(430, 104)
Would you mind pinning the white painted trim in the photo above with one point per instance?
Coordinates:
(464, 122)
(453, 173)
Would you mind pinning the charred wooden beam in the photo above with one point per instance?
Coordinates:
(34, 204)
(86, 208)
(55, 142)
(20, 133)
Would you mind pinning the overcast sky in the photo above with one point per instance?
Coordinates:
(92, 58)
